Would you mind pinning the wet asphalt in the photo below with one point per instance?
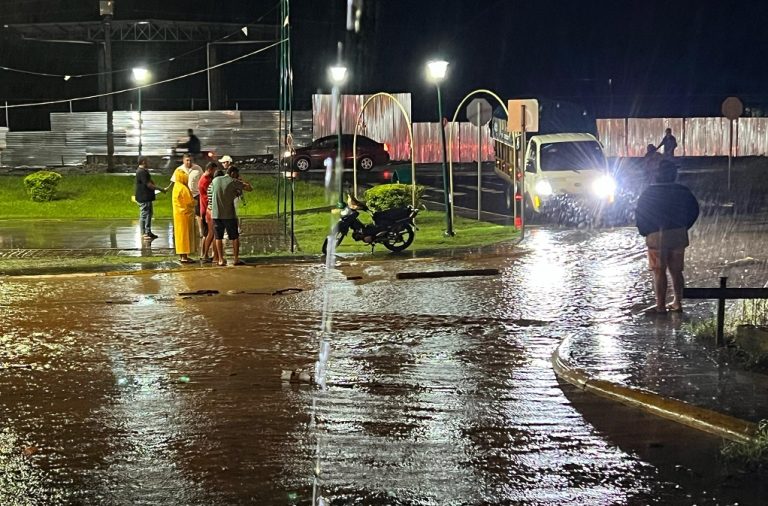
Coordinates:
(118, 390)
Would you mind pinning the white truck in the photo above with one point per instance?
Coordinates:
(563, 176)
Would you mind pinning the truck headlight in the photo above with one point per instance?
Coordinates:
(543, 188)
(604, 187)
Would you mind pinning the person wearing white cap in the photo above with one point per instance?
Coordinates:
(226, 162)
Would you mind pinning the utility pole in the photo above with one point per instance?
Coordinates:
(107, 9)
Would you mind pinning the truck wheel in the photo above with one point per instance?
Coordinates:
(530, 215)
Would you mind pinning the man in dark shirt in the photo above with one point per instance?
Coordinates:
(192, 145)
(669, 143)
(665, 212)
(144, 194)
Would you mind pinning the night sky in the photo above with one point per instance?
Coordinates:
(617, 58)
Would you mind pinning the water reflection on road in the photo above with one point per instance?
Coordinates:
(440, 390)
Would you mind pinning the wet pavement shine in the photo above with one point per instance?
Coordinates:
(117, 390)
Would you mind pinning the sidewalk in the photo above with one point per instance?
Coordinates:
(656, 365)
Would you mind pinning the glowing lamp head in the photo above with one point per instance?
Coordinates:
(140, 75)
(337, 74)
(436, 70)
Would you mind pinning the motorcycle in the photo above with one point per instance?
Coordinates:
(394, 228)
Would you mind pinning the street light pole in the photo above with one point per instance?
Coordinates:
(140, 77)
(338, 75)
(436, 71)
(141, 126)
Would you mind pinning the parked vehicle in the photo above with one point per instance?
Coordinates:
(370, 153)
(394, 228)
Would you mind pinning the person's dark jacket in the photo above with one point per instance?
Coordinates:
(193, 145)
(665, 206)
(143, 192)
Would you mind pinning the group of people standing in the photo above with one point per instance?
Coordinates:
(204, 207)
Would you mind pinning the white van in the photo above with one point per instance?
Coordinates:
(563, 168)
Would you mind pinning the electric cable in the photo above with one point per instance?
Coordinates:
(149, 85)
(155, 62)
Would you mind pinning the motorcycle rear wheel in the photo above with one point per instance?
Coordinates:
(339, 237)
(398, 241)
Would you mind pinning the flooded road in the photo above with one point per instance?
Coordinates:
(117, 390)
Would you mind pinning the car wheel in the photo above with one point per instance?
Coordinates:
(366, 163)
(302, 164)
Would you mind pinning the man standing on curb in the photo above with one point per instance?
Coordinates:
(144, 194)
(665, 212)
(225, 190)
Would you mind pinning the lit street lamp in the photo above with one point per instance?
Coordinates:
(337, 75)
(140, 77)
(436, 70)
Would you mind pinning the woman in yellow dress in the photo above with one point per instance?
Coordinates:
(183, 217)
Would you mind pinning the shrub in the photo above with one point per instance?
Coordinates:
(390, 196)
(41, 185)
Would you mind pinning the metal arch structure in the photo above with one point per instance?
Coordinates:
(410, 135)
(453, 122)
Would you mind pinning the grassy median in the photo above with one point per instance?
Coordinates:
(102, 196)
(109, 196)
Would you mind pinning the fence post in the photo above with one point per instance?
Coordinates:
(719, 341)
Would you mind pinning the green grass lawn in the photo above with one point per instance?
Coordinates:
(109, 196)
(311, 230)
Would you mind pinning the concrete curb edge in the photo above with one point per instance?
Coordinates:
(726, 426)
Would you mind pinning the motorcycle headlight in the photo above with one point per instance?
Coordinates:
(543, 188)
(604, 187)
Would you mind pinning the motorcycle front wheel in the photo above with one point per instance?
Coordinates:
(338, 235)
(398, 241)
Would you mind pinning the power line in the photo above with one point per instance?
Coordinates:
(156, 62)
(126, 90)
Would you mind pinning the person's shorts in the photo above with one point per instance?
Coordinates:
(228, 226)
(197, 205)
(663, 259)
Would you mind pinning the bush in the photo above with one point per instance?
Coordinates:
(41, 185)
(390, 196)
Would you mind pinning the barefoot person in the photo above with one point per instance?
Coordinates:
(665, 212)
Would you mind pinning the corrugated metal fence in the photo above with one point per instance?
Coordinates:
(383, 121)
(695, 136)
(73, 136)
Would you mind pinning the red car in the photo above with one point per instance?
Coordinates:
(369, 153)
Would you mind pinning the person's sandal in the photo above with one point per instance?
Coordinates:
(674, 309)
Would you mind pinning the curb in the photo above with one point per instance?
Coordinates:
(726, 426)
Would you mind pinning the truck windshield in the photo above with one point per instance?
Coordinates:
(582, 155)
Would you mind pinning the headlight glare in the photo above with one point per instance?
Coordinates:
(604, 187)
(543, 188)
